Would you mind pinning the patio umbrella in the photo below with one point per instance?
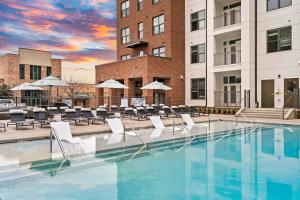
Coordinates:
(25, 87)
(156, 86)
(112, 84)
(50, 81)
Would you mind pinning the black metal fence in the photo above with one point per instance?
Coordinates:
(10, 102)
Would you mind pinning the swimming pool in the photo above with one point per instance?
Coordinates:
(261, 165)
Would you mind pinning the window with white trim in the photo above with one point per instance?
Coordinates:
(125, 32)
(159, 24)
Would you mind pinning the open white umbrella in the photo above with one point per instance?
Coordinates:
(112, 84)
(156, 86)
(50, 81)
(25, 87)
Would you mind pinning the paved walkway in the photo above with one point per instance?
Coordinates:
(26, 133)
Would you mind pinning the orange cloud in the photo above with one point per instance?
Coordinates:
(102, 31)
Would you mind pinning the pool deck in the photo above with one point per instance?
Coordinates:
(26, 133)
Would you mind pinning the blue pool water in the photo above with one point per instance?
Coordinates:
(261, 165)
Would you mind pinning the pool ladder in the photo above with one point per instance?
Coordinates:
(53, 133)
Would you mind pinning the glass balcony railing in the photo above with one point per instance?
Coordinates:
(227, 19)
(228, 58)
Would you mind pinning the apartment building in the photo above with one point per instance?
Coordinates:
(242, 52)
(150, 46)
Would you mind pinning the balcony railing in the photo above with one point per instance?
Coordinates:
(228, 58)
(227, 19)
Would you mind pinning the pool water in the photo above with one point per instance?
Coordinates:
(261, 165)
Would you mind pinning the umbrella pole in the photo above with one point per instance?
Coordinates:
(49, 95)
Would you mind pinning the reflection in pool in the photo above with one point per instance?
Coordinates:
(261, 165)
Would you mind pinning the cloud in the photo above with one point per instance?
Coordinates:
(82, 31)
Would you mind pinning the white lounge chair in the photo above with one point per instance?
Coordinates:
(190, 123)
(118, 131)
(73, 145)
(63, 132)
(158, 124)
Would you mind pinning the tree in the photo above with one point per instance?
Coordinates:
(73, 90)
(5, 91)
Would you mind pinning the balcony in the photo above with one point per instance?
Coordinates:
(137, 44)
(228, 58)
(227, 19)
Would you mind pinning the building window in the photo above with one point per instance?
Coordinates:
(160, 52)
(198, 20)
(156, 1)
(35, 72)
(276, 4)
(49, 71)
(125, 57)
(198, 53)
(22, 71)
(140, 5)
(141, 30)
(198, 88)
(125, 35)
(159, 24)
(125, 8)
(279, 39)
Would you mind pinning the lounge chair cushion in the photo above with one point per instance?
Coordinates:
(35, 109)
(15, 111)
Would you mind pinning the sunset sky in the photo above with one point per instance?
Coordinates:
(82, 32)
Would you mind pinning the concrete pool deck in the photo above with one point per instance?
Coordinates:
(26, 133)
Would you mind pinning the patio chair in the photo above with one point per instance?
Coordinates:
(72, 115)
(114, 108)
(78, 109)
(119, 132)
(63, 109)
(183, 109)
(18, 118)
(88, 114)
(63, 132)
(158, 124)
(167, 112)
(103, 114)
(40, 115)
(52, 111)
(129, 112)
(151, 111)
(3, 126)
(141, 112)
(175, 111)
(191, 124)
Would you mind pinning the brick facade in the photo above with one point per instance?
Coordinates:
(10, 69)
(149, 68)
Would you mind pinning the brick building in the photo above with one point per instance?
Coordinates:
(150, 46)
(28, 65)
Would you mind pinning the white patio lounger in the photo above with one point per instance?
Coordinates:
(118, 131)
(158, 124)
(75, 145)
(63, 132)
(190, 123)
